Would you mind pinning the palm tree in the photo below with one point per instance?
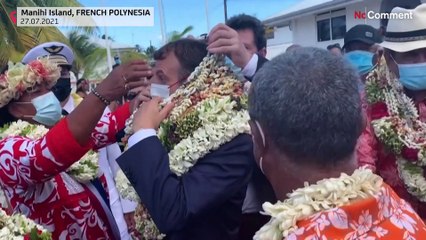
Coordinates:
(176, 35)
(87, 53)
(149, 51)
(129, 56)
(15, 41)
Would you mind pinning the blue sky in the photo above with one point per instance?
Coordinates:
(182, 13)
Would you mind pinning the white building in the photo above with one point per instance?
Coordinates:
(317, 23)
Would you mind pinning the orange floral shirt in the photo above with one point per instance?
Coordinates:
(385, 216)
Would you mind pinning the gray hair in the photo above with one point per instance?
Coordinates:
(308, 104)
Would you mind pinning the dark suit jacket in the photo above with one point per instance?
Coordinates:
(261, 60)
(205, 203)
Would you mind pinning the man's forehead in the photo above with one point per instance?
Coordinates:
(168, 65)
(247, 36)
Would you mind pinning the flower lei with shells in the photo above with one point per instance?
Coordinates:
(326, 194)
(210, 110)
(17, 227)
(85, 170)
(20, 78)
(396, 124)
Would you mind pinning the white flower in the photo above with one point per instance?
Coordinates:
(207, 94)
(300, 204)
(84, 170)
(18, 226)
(124, 187)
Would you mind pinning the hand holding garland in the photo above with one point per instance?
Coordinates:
(149, 115)
(84, 118)
(225, 40)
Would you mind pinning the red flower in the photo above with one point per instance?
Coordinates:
(38, 68)
(409, 154)
(379, 110)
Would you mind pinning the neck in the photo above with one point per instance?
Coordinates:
(81, 94)
(297, 174)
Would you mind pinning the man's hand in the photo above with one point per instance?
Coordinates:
(149, 115)
(143, 95)
(123, 79)
(225, 40)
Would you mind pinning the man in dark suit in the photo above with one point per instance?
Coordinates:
(205, 203)
(243, 40)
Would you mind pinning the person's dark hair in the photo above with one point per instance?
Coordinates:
(386, 6)
(308, 110)
(189, 52)
(336, 45)
(80, 81)
(5, 117)
(244, 21)
(4, 69)
(292, 47)
(357, 45)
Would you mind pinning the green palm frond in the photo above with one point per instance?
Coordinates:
(176, 35)
(16, 40)
(130, 56)
(87, 53)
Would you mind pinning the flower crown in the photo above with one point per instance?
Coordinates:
(20, 78)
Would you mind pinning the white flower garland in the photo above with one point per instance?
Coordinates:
(17, 226)
(401, 128)
(124, 187)
(412, 175)
(209, 112)
(322, 196)
(85, 170)
(220, 124)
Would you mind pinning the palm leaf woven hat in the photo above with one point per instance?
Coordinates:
(407, 33)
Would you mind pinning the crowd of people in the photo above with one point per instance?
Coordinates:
(335, 146)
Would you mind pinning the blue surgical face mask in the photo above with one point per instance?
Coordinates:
(413, 76)
(48, 109)
(160, 90)
(361, 60)
(236, 70)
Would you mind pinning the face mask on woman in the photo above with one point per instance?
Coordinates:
(48, 109)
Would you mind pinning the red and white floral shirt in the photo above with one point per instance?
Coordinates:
(32, 174)
(384, 216)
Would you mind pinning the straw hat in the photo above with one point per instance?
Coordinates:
(404, 35)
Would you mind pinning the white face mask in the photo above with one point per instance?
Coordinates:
(263, 142)
(160, 90)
